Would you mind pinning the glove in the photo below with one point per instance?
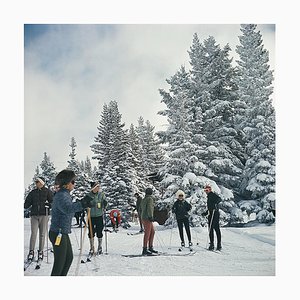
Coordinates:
(86, 202)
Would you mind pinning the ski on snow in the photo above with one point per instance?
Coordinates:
(134, 233)
(159, 254)
(27, 263)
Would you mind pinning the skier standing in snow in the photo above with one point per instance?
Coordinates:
(147, 210)
(213, 201)
(138, 209)
(98, 205)
(181, 209)
(63, 210)
(39, 200)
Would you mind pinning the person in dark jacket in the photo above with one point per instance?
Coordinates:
(39, 201)
(147, 210)
(181, 209)
(63, 210)
(213, 201)
(138, 209)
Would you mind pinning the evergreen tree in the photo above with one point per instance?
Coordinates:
(183, 169)
(255, 88)
(151, 152)
(112, 150)
(48, 171)
(88, 167)
(215, 92)
(82, 182)
(32, 185)
(136, 160)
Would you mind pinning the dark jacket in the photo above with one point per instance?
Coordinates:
(138, 204)
(63, 210)
(181, 209)
(36, 199)
(213, 201)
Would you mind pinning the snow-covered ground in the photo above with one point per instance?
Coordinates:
(246, 251)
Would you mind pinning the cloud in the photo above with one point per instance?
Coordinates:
(72, 70)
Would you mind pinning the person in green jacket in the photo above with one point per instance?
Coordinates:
(95, 224)
(147, 210)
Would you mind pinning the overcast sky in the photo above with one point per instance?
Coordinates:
(70, 71)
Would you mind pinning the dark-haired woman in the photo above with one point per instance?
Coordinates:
(63, 210)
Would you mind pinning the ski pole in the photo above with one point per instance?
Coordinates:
(105, 230)
(173, 220)
(80, 252)
(80, 224)
(209, 227)
(47, 234)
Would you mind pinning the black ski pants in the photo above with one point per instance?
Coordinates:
(185, 222)
(97, 227)
(63, 254)
(214, 225)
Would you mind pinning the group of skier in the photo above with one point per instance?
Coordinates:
(41, 199)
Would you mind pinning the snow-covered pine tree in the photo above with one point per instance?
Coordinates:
(152, 153)
(32, 185)
(255, 88)
(88, 167)
(136, 160)
(112, 150)
(103, 142)
(82, 183)
(212, 105)
(48, 171)
(214, 91)
(183, 170)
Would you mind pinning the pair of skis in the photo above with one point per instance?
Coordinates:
(191, 252)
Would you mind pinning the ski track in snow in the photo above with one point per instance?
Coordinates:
(246, 251)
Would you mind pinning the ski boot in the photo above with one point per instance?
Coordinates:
(152, 250)
(92, 248)
(40, 254)
(99, 251)
(219, 247)
(211, 247)
(30, 256)
(146, 252)
(182, 244)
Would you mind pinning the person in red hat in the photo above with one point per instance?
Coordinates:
(115, 217)
(213, 201)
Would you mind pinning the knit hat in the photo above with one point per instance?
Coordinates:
(41, 180)
(94, 185)
(180, 192)
(148, 191)
(64, 177)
